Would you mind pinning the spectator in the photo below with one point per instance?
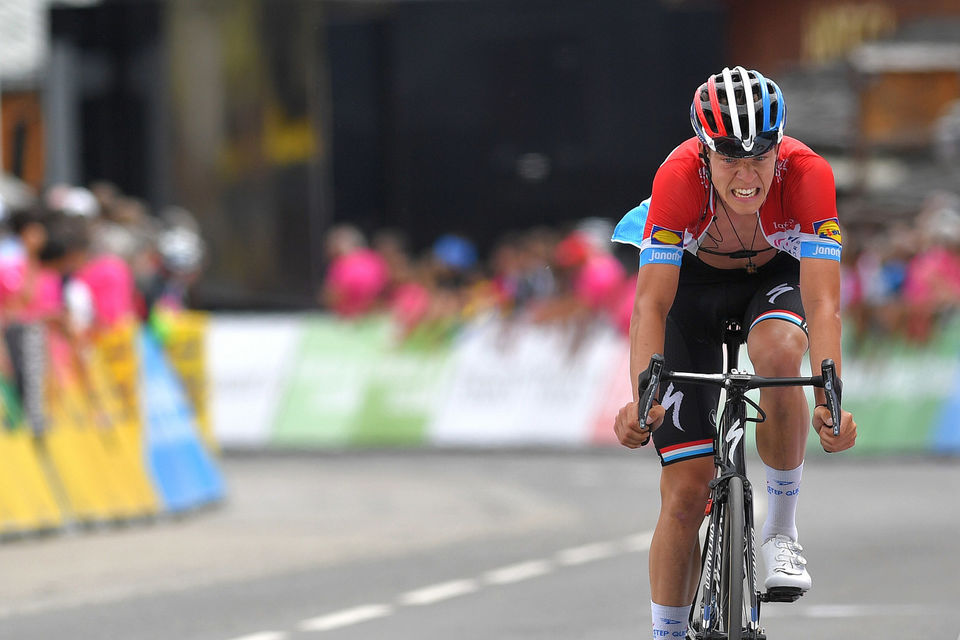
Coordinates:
(932, 282)
(357, 276)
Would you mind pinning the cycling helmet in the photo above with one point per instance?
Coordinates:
(753, 127)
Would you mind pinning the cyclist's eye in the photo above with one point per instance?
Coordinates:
(730, 161)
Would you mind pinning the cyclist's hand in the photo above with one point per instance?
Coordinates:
(823, 423)
(629, 431)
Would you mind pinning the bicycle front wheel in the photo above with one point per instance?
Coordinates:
(733, 561)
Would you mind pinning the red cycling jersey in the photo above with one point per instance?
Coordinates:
(799, 215)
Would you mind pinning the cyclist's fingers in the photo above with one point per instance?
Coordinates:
(846, 439)
(821, 417)
(655, 417)
(627, 427)
(634, 438)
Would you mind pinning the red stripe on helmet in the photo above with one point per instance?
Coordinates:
(715, 106)
(701, 116)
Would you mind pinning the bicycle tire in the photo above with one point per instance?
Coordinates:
(733, 561)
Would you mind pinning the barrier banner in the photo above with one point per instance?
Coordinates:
(73, 446)
(521, 383)
(117, 350)
(251, 359)
(354, 385)
(904, 394)
(181, 467)
(27, 501)
(185, 344)
(313, 380)
(122, 436)
(27, 346)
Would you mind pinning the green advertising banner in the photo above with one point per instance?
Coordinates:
(899, 390)
(354, 384)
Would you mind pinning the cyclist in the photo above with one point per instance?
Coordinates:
(742, 222)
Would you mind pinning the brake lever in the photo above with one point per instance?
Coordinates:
(833, 390)
(647, 384)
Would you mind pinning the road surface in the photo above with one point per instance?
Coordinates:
(474, 545)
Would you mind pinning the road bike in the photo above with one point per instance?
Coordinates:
(727, 605)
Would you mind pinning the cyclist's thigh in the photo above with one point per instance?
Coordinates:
(686, 432)
(778, 297)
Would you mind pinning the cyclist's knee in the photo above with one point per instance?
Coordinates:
(777, 348)
(684, 489)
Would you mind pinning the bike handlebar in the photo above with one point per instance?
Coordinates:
(650, 380)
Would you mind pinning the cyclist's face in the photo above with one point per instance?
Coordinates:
(743, 183)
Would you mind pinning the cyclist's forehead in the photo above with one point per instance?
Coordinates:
(731, 161)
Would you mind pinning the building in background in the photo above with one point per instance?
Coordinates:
(274, 121)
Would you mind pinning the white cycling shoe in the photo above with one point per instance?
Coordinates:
(786, 567)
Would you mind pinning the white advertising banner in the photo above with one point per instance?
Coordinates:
(250, 359)
(520, 383)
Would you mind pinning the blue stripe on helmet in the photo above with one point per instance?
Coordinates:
(781, 108)
(765, 97)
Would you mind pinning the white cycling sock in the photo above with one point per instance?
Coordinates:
(669, 622)
(783, 492)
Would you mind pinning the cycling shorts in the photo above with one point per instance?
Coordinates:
(706, 296)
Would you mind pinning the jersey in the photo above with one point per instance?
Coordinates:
(798, 217)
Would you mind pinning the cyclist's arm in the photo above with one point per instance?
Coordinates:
(820, 292)
(656, 289)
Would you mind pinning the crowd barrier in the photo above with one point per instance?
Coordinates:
(116, 438)
(313, 381)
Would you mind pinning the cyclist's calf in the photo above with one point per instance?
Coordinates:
(776, 350)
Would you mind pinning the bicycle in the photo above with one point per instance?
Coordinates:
(728, 562)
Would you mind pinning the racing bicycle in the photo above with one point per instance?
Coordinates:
(727, 605)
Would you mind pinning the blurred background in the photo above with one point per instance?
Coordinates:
(311, 303)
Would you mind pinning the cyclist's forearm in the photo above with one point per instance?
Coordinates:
(646, 338)
(823, 325)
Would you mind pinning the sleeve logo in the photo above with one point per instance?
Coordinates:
(828, 229)
(662, 236)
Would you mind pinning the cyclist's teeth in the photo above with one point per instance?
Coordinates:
(745, 193)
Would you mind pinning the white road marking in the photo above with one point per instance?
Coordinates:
(264, 635)
(862, 610)
(438, 592)
(345, 618)
(638, 543)
(443, 591)
(586, 553)
(518, 572)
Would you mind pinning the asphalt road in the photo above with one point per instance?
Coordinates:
(470, 546)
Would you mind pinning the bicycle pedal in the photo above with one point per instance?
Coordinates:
(781, 594)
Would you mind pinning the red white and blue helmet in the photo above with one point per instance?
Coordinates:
(753, 127)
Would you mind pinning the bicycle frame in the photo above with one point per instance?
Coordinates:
(730, 463)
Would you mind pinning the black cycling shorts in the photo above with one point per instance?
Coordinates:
(706, 297)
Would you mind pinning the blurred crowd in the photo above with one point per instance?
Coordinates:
(541, 275)
(76, 262)
(900, 281)
(904, 280)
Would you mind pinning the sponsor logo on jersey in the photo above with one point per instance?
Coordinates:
(823, 249)
(828, 229)
(828, 252)
(671, 255)
(662, 236)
